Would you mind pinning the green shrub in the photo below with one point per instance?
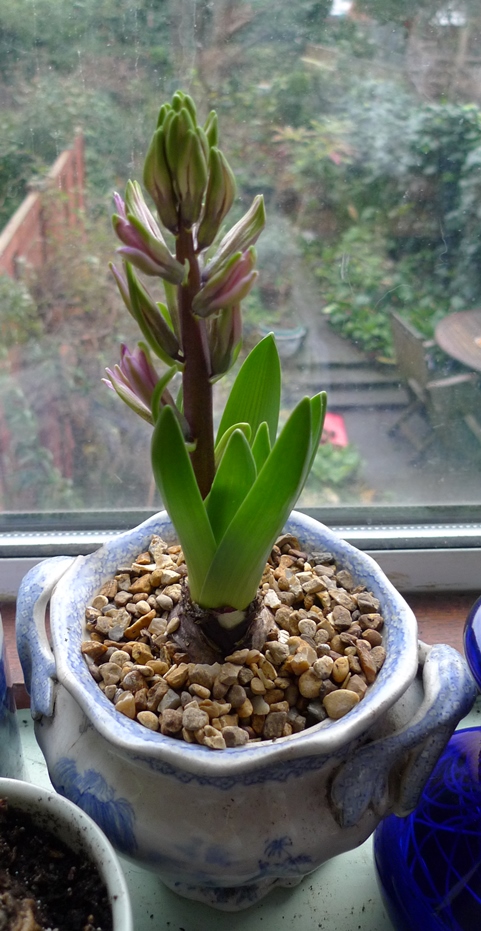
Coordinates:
(19, 321)
(335, 475)
(355, 280)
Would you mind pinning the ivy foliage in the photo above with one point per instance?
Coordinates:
(402, 182)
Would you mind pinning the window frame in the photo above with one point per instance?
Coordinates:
(421, 549)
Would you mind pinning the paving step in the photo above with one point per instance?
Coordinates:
(336, 360)
(347, 378)
(386, 398)
(344, 398)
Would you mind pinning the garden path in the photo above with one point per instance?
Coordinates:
(370, 397)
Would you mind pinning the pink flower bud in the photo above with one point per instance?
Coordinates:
(228, 286)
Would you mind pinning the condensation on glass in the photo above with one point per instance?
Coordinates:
(360, 121)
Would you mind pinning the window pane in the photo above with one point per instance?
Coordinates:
(360, 122)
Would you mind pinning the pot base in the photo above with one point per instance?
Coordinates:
(230, 898)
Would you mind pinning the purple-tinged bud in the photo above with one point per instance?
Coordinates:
(135, 206)
(134, 380)
(123, 287)
(244, 234)
(229, 286)
(144, 245)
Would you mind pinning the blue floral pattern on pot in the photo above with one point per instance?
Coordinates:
(96, 798)
(222, 827)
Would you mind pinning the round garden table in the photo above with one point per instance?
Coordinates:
(459, 336)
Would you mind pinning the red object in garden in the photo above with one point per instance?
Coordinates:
(334, 430)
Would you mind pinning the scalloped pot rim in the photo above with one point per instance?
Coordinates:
(87, 574)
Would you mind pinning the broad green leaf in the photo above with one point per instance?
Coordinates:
(238, 564)
(222, 443)
(255, 395)
(176, 482)
(233, 480)
(261, 446)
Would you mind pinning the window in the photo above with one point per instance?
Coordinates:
(360, 120)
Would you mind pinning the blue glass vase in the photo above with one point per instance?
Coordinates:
(472, 641)
(429, 863)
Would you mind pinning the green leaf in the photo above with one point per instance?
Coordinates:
(160, 388)
(233, 480)
(318, 413)
(222, 443)
(261, 446)
(176, 482)
(238, 564)
(256, 393)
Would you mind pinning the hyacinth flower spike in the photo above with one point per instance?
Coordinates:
(228, 495)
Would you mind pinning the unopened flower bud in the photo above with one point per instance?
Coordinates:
(225, 339)
(243, 235)
(219, 198)
(191, 178)
(158, 180)
(150, 319)
(211, 129)
(176, 140)
(134, 380)
(144, 245)
(228, 286)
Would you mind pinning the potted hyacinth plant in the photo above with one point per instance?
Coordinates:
(228, 495)
(246, 669)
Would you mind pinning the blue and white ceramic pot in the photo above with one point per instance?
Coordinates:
(226, 826)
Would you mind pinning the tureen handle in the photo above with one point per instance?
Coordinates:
(389, 774)
(36, 656)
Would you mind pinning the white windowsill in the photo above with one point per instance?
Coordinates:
(416, 558)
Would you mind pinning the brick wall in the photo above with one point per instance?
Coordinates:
(58, 202)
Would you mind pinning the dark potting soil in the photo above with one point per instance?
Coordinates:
(43, 883)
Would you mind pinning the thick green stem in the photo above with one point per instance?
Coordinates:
(197, 388)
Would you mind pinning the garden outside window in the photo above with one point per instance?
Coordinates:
(361, 124)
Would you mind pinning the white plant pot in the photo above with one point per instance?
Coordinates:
(50, 812)
(225, 827)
